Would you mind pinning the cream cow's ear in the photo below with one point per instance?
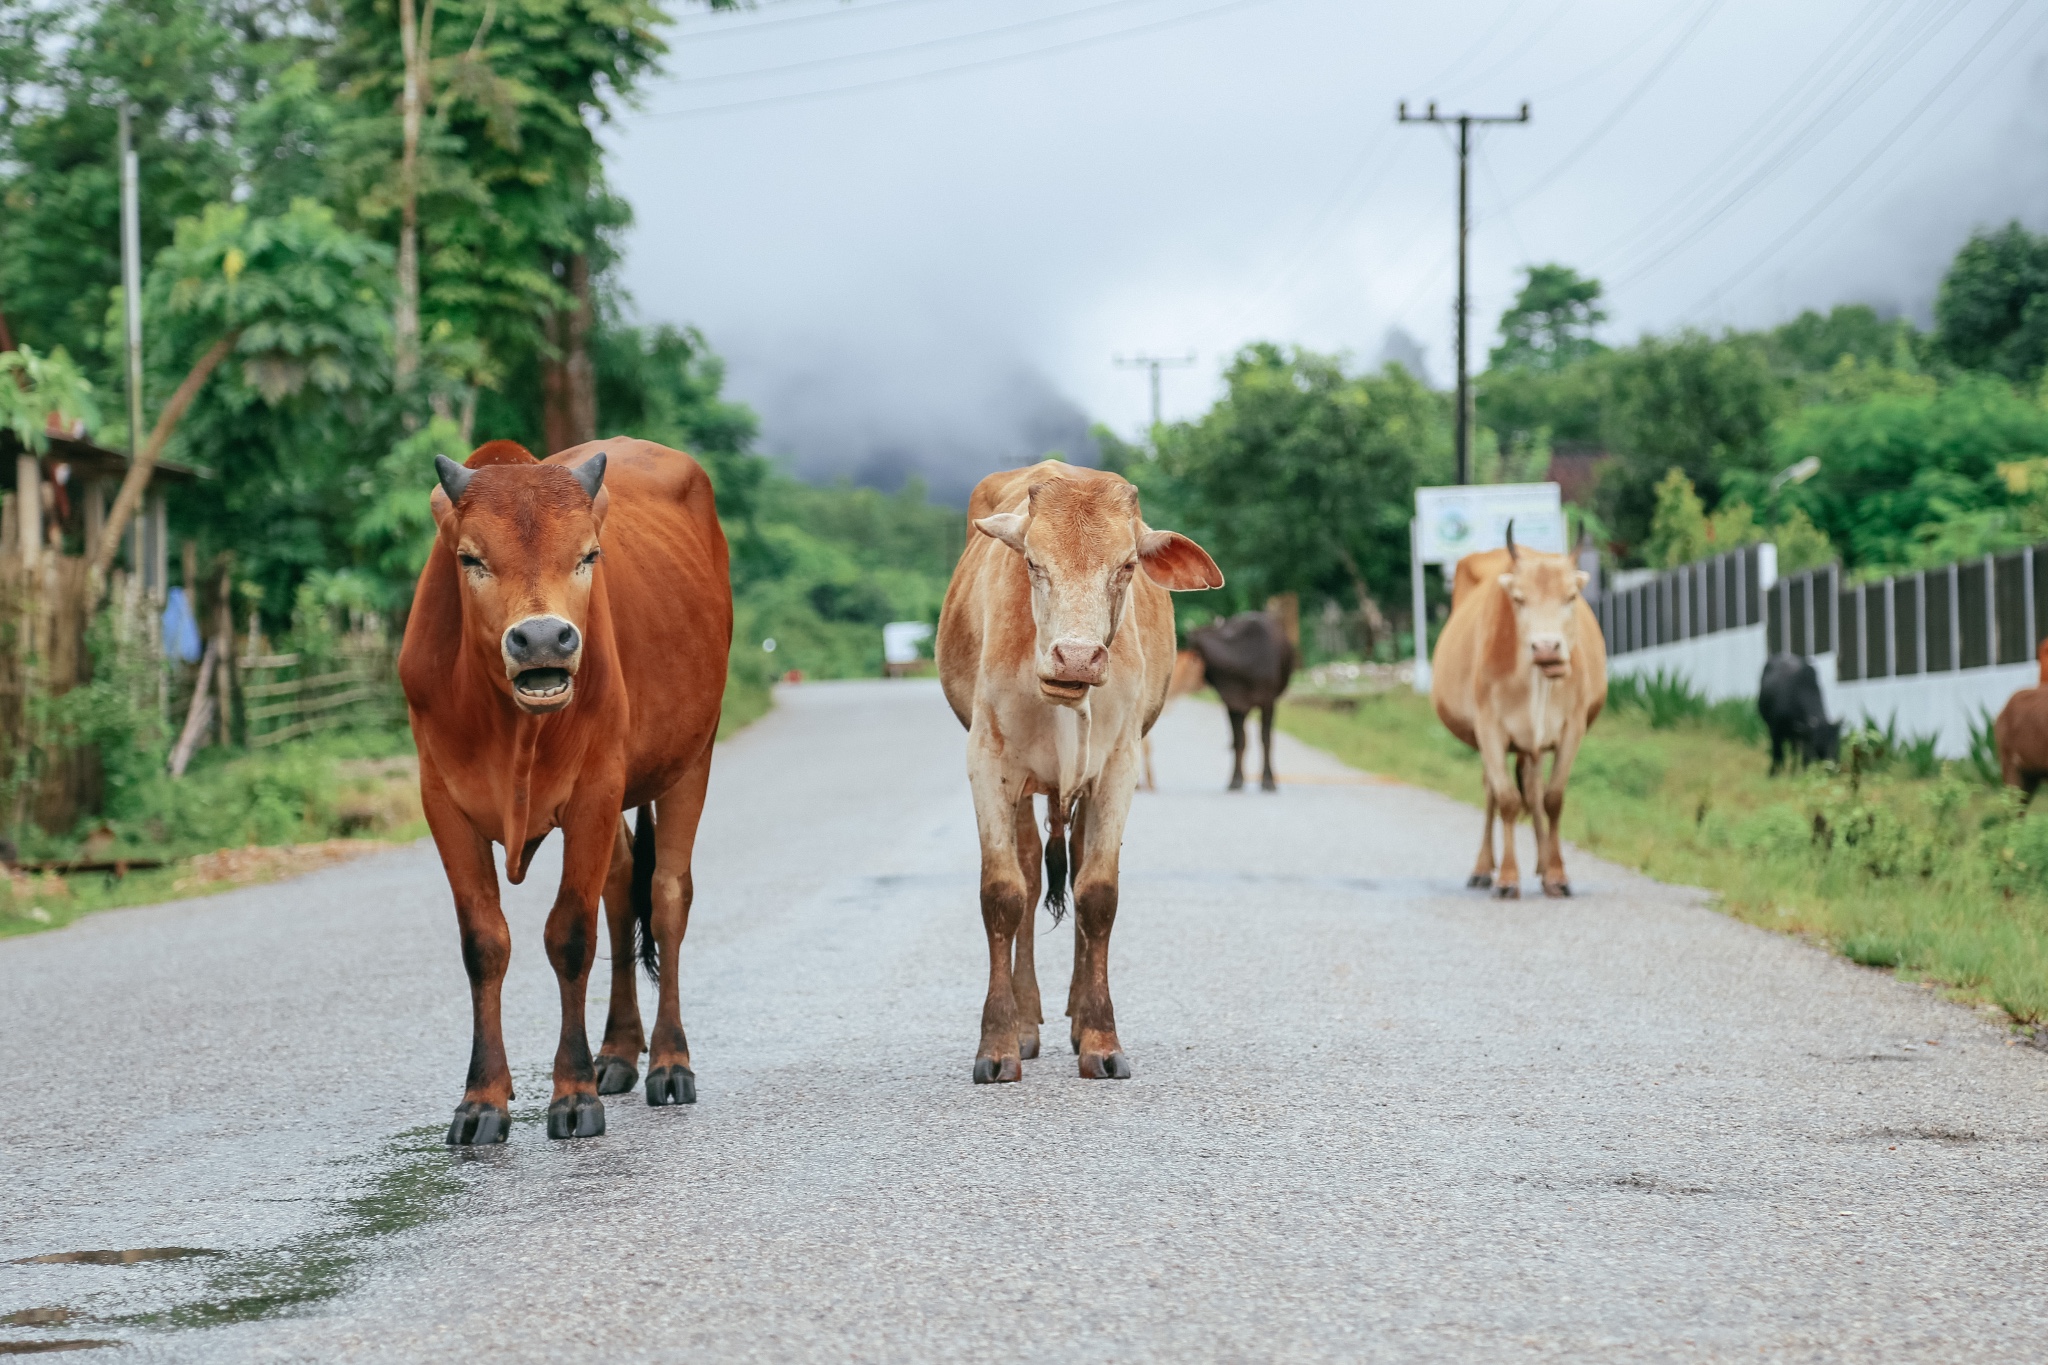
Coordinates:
(1176, 563)
(1584, 578)
(1008, 527)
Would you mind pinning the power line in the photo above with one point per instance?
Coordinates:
(729, 26)
(1465, 124)
(872, 54)
(1522, 50)
(981, 64)
(1610, 61)
(1803, 140)
(1818, 74)
(1671, 54)
(1884, 145)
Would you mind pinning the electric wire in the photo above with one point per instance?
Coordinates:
(1671, 54)
(1884, 144)
(980, 64)
(922, 45)
(1793, 148)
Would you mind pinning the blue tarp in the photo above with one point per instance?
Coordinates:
(181, 630)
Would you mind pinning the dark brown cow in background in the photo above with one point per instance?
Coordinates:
(1249, 660)
(565, 659)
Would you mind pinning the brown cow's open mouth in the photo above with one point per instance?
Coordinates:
(1062, 691)
(543, 687)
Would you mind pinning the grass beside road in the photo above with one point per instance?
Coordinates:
(1893, 859)
(239, 819)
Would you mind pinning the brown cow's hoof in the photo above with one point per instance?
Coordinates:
(1112, 1066)
(991, 1070)
(671, 1085)
(1507, 891)
(1075, 1040)
(1479, 880)
(1027, 1048)
(1267, 784)
(576, 1116)
(616, 1075)
(1557, 890)
(478, 1124)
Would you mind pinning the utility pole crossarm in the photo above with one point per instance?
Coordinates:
(1155, 363)
(1465, 123)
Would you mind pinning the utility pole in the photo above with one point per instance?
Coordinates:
(1464, 122)
(1155, 363)
(131, 277)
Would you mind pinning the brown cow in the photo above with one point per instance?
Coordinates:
(1055, 646)
(1520, 669)
(2021, 731)
(552, 684)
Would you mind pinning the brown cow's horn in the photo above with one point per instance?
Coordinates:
(454, 478)
(1513, 554)
(590, 474)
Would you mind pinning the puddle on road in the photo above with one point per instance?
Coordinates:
(132, 1256)
(37, 1348)
(416, 1182)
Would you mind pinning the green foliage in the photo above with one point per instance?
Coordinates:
(1703, 404)
(1813, 343)
(1897, 468)
(1550, 324)
(36, 388)
(1302, 477)
(1678, 524)
(1992, 311)
(1666, 701)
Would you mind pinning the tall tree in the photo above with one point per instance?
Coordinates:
(1550, 324)
(1992, 310)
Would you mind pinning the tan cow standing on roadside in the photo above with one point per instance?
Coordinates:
(1520, 670)
(1055, 647)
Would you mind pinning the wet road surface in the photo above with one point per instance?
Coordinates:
(1375, 1116)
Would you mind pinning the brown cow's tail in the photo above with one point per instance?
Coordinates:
(643, 890)
(1055, 859)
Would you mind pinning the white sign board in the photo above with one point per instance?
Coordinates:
(900, 640)
(1451, 523)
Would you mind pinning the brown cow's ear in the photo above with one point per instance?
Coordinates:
(1008, 527)
(1176, 563)
(599, 505)
(443, 510)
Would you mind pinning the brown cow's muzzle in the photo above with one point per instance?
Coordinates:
(541, 657)
(1077, 665)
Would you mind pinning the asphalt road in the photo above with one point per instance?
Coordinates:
(1375, 1116)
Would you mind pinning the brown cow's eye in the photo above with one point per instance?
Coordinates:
(590, 558)
(472, 563)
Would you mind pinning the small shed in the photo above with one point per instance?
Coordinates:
(60, 501)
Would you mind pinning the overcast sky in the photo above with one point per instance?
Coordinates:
(921, 230)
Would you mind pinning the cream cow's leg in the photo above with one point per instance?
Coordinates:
(1555, 882)
(1005, 902)
(1095, 900)
(1482, 870)
(1504, 792)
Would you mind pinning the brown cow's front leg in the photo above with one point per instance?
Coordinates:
(1236, 750)
(1267, 782)
(618, 1060)
(1095, 901)
(676, 815)
(1024, 972)
(484, 1116)
(588, 837)
(1004, 908)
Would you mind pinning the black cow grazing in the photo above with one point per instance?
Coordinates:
(1248, 659)
(1789, 701)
